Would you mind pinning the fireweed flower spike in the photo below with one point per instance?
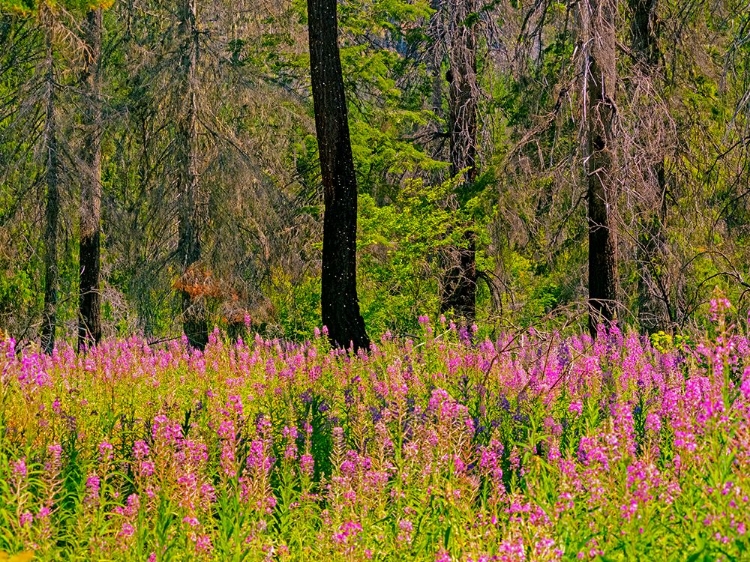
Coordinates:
(527, 447)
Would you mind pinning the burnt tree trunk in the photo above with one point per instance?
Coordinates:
(189, 246)
(643, 32)
(339, 303)
(598, 19)
(89, 319)
(459, 284)
(51, 274)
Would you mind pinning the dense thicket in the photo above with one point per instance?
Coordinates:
(501, 149)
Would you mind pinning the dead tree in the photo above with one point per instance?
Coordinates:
(647, 58)
(459, 39)
(339, 302)
(52, 213)
(597, 22)
(189, 244)
(89, 311)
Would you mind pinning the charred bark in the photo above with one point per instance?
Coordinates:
(89, 319)
(51, 274)
(459, 284)
(194, 324)
(643, 32)
(651, 241)
(463, 100)
(339, 303)
(598, 19)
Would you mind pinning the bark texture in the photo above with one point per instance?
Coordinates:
(52, 214)
(89, 319)
(189, 246)
(651, 240)
(643, 32)
(459, 285)
(340, 306)
(598, 22)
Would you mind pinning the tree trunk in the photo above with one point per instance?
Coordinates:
(340, 306)
(650, 236)
(459, 285)
(51, 274)
(464, 93)
(89, 320)
(643, 32)
(598, 19)
(189, 247)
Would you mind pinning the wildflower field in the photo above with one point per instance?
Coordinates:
(444, 447)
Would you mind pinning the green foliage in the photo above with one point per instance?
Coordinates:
(296, 307)
(399, 248)
(28, 7)
(397, 264)
(387, 91)
(16, 6)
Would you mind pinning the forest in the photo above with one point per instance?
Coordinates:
(513, 163)
(389, 280)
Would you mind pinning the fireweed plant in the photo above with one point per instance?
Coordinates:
(532, 447)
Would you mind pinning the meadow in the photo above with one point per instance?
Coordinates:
(442, 447)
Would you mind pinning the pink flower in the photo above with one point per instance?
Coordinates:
(512, 551)
(92, 488)
(628, 510)
(257, 458)
(140, 450)
(745, 387)
(19, 468)
(55, 451)
(208, 493)
(127, 530)
(235, 402)
(442, 555)
(203, 543)
(407, 528)
(147, 468)
(227, 460)
(718, 306)
(163, 429)
(25, 519)
(653, 422)
(226, 429)
(105, 451)
(576, 407)
(347, 530)
(543, 544)
(306, 464)
(133, 504)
